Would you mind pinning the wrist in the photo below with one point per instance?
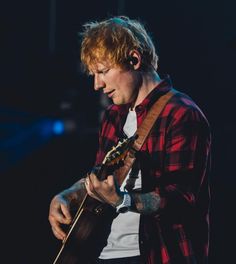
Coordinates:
(125, 204)
(118, 200)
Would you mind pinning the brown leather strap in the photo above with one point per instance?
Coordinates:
(142, 132)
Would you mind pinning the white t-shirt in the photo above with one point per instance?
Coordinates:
(123, 240)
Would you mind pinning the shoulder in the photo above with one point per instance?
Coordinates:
(182, 108)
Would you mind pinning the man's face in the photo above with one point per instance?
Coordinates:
(118, 84)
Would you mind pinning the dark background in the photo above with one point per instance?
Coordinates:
(40, 83)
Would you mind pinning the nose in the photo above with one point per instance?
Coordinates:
(98, 82)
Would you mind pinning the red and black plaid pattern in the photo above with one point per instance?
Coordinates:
(174, 161)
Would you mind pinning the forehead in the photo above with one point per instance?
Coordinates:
(99, 65)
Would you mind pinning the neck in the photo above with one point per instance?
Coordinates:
(149, 81)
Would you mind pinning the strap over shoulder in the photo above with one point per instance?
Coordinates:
(141, 135)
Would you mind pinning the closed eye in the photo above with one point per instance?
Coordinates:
(104, 71)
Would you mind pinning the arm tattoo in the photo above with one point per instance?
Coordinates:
(79, 185)
(77, 191)
(145, 203)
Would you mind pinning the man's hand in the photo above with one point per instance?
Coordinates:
(61, 205)
(105, 191)
(59, 213)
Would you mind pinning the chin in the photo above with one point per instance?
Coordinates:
(116, 101)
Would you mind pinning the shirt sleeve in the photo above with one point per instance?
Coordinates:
(186, 157)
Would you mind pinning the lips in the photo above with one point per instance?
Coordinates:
(109, 94)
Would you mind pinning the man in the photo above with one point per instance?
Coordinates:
(163, 218)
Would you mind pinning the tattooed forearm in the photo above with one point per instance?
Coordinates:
(79, 185)
(145, 203)
(77, 191)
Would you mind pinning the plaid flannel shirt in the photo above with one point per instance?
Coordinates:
(174, 162)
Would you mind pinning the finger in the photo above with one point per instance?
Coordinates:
(87, 186)
(66, 216)
(56, 227)
(112, 183)
(92, 178)
(57, 214)
(91, 182)
(59, 234)
(92, 192)
(110, 180)
(95, 183)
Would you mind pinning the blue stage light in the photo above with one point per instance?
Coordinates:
(58, 127)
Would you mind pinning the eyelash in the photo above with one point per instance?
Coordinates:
(104, 71)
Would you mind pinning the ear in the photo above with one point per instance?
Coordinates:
(135, 59)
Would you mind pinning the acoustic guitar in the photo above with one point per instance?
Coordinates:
(90, 227)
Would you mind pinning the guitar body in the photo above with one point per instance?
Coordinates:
(88, 233)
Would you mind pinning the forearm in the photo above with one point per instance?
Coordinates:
(76, 192)
(145, 203)
(79, 185)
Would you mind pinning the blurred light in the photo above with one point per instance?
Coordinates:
(58, 127)
(70, 125)
(65, 105)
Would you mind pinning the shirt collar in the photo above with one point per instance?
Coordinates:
(162, 88)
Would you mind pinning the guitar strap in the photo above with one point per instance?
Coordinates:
(142, 133)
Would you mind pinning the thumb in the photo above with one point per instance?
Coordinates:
(111, 180)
